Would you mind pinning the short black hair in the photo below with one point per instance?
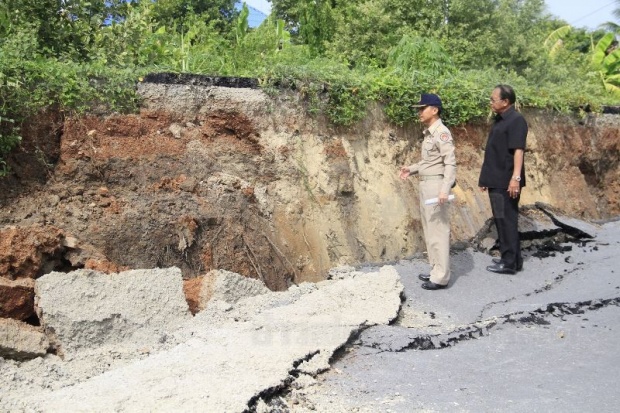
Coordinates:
(507, 92)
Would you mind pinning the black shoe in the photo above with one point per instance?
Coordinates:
(501, 268)
(424, 277)
(499, 260)
(429, 285)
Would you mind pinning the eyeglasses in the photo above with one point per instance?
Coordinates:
(495, 100)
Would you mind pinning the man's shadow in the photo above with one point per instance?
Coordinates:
(461, 264)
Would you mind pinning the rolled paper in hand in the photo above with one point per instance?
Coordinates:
(434, 201)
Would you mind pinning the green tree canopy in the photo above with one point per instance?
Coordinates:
(77, 55)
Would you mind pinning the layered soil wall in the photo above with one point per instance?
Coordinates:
(209, 177)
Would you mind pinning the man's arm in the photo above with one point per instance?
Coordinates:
(406, 171)
(517, 135)
(514, 186)
(447, 150)
(518, 162)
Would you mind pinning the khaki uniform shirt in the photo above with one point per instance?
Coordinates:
(438, 156)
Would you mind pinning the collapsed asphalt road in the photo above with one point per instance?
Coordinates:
(122, 354)
(364, 341)
(544, 340)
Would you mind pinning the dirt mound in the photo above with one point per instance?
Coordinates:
(29, 253)
(151, 191)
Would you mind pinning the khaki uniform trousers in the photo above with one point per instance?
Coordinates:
(436, 226)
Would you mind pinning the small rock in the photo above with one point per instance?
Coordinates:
(176, 130)
(53, 200)
(189, 185)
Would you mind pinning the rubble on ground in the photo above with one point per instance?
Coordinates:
(226, 358)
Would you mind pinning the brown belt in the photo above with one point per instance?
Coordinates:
(430, 177)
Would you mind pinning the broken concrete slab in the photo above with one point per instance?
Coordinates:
(575, 227)
(21, 341)
(220, 285)
(342, 272)
(86, 309)
(539, 225)
(229, 287)
(229, 365)
(532, 220)
(533, 224)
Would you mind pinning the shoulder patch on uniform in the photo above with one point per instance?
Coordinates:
(444, 137)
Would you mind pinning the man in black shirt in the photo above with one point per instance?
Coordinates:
(503, 175)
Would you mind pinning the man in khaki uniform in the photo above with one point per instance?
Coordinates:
(437, 174)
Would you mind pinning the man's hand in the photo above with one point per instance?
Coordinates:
(404, 172)
(513, 188)
(443, 198)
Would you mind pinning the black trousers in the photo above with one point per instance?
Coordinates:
(506, 215)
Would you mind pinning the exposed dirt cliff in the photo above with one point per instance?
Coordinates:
(209, 177)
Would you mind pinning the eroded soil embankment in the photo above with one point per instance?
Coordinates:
(220, 178)
(132, 192)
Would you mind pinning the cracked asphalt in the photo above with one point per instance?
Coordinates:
(544, 340)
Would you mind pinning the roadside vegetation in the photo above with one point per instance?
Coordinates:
(76, 56)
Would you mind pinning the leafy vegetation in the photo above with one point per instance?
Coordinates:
(606, 60)
(341, 56)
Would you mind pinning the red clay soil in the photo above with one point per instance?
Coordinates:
(134, 191)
